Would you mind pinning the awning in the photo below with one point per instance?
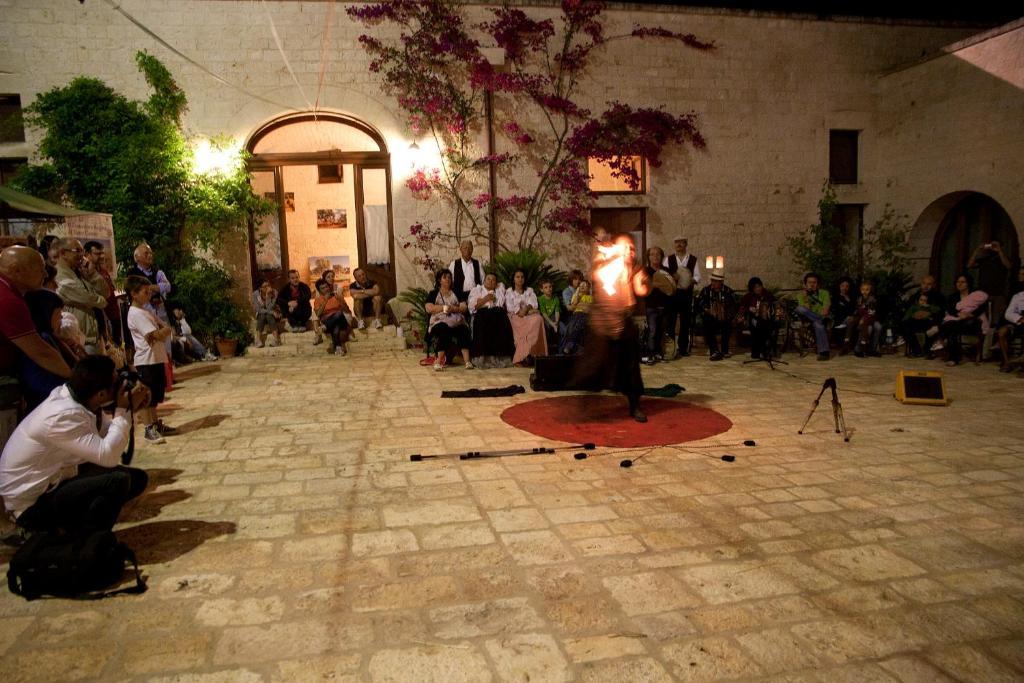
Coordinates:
(14, 204)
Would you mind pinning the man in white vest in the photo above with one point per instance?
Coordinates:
(684, 268)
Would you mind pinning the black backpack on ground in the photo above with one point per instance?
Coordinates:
(71, 566)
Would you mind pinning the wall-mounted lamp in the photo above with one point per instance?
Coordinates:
(714, 262)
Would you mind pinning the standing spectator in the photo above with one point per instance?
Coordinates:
(684, 268)
(268, 314)
(717, 306)
(82, 296)
(466, 272)
(657, 304)
(366, 300)
(814, 305)
(993, 268)
(97, 256)
(22, 269)
(149, 335)
(37, 382)
(293, 300)
(144, 267)
(49, 249)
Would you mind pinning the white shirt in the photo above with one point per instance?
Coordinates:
(480, 292)
(680, 259)
(468, 274)
(185, 328)
(1016, 308)
(514, 300)
(141, 322)
(51, 442)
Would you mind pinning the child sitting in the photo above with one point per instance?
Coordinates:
(550, 308)
(149, 335)
(864, 324)
(579, 307)
(183, 335)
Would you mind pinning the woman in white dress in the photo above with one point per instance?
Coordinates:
(527, 322)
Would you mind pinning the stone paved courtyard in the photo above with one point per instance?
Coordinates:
(290, 538)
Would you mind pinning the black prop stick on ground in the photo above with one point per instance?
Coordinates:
(474, 455)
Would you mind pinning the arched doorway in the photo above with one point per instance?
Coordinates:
(330, 177)
(969, 219)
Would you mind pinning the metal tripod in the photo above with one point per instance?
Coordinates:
(770, 350)
(837, 409)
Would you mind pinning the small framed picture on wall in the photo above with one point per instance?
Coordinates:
(331, 219)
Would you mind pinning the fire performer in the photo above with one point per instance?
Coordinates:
(611, 347)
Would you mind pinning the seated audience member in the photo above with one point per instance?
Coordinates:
(366, 300)
(965, 314)
(575, 278)
(492, 333)
(268, 314)
(83, 296)
(149, 335)
(863, 325)
(294, 302)
(717, 305)
(923, 317)
(576, 327)
(447, 324)
(657, 304)
(814, 304)
(1013, 326)
(843, 305)
(36, 381)
(61, 467)
(527, 323)
(920, 319)
(183, 335)
(550, 307)
(757, 307)
(330, 311)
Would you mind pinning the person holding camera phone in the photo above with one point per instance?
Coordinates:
(60, 468)
(993, 275)
(148, 334)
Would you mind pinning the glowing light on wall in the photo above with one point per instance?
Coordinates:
(210, 157)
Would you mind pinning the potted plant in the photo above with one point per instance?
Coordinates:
(229, 334)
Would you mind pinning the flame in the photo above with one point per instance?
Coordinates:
(614, 265)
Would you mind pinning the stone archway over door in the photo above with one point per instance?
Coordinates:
(971, 219)
(330, 176)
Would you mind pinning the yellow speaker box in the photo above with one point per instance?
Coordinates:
(921, 388)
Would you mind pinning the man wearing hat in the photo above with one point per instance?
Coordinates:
(717, 306)
(684, 268)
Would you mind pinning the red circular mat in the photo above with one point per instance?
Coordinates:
(604, 420)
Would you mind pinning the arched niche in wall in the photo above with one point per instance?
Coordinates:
(330, 177)
(955, 224)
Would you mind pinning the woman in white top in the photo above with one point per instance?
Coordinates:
(527, 322)
(447, 320)
(492, 333)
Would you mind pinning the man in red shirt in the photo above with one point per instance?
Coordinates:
(21, 270)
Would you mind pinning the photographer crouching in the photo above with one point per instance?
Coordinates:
(61, 467)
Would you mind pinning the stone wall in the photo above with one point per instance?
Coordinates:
(766, 100)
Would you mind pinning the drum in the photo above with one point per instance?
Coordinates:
(683, 278)
(664, 282)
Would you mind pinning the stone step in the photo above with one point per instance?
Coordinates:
(362, 343)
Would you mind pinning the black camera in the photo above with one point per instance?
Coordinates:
(125, 379)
